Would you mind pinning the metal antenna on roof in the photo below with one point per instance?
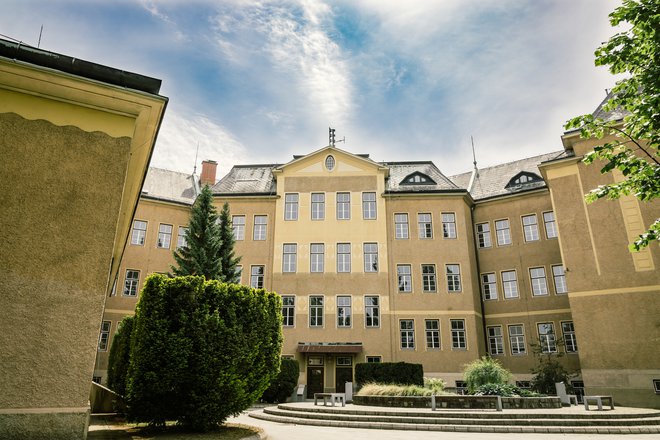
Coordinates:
(474, 156)
(196, 153)
(331, 136)
(40, 32)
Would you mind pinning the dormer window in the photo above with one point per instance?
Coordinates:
(417, 178)
(329, 163)
(523, 178)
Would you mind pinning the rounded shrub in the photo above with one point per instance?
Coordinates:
(282, 386)
(485, 371)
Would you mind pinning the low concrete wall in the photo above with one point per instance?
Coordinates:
(458, 402)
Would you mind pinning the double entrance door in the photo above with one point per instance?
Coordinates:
(316, 375)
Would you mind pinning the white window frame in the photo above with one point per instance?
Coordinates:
(517, 343)
(483, 235)
(550, 225)
(256, 278)
(425, 225)
(343, 258)
(510, 285)
(131, 284)
(547, 337)
(401, 226)
(538, 281)
(139, 234)
(407, 334)
(568, 333)
(559, 279)
(458, 334)
(289, 257)
(495, 340)
(291, 206)
(239, 273)
(181, 237)
(429, 278)
(164, 236)
(343, 206)
(489, 286)
(432, 334)
(318, 206)
(104, 335)
(316, 311)
(530, 228)
(317, 257)
(260, 227)
(369, 210)
(453, 279)
(404, 276)
(373, 359)
(288, 311)
(238, 227)
(449, 225)
(371, 311)
(344, 311)
(503, 232)
(370, 256)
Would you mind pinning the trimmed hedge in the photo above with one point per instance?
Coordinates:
(282, 386)
(201, 351)
(400, 373)
(119, 357)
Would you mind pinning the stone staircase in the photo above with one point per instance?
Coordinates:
(573, 420)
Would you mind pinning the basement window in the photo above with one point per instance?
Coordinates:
(656, 385)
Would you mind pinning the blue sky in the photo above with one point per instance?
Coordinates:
(259, 81)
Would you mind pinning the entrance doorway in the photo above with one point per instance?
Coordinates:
(343, 373)
(314, 381)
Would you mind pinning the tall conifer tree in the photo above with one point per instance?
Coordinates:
(202, 253)
(227, 256)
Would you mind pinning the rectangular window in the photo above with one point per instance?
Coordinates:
(530, 227)
(131, 282)
(448, 225)
(461, 387)
(547, 338)
(550, 224)
(432, 333)
(428, 278)
(495, 340)
(343, 257)
(288, 310)
(570, 342)
(458, 339)
(560, 279)
(407, 332)
(290, 206)
(317, 257)
(510, 284)
(370, 251)
(96, 379)
(239, 273)
(257, 277)
(344, 311)
(517, 339)
(503, 232)
(369, 205)
(489, 286)
(404, 275)
(139, 232)
(453, 272)
(343, 206)
(318, 206)
(289, 257)
(164, 236)
(260, 223)
(238, 226)
(104, 336)
(401, 226)
(371, 311)
(425, 225)
(483, 235)
(656, 385)
(374, 359)
(316, 311)
(539, 283)
(344, 361)
(181, 238)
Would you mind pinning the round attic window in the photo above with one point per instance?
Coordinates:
(329, 163)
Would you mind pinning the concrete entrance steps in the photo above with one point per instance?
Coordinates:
(566, 420)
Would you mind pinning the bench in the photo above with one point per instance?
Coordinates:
(598, 400)
(334, 397)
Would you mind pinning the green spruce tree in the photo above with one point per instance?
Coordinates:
(202, 254)
(228, 258)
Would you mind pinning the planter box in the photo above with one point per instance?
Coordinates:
(458, 402)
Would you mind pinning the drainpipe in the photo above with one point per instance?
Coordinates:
(481, 298)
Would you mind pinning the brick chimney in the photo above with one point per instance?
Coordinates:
(208, 173)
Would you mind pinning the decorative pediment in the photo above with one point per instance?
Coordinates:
(523, 178)
(417, 178)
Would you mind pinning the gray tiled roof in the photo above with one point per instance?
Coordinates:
(170, 186)
(613, 115)
(400, 170)
(247, 179)
(492, 181)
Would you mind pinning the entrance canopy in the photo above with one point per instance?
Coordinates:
(329, 347)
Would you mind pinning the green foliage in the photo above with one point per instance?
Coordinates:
(201, 351)
(548, 372)
(400, 373)
(282, 386)
(202, 253)
(229, 261)
(118, 359)
(377, 389)
(435, 384)
(485, 371)
(635, 53)
(498, 389)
